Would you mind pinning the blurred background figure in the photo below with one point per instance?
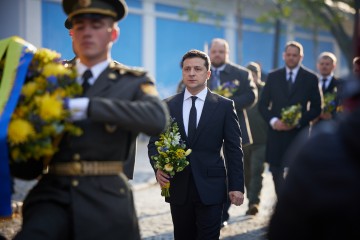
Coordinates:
(320, 198)
(254, 154)
(285, 87)
(329, 85)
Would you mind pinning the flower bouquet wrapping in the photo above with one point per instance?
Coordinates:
(227, 89)
(40, 118)
(329, 102)
(172, 154)
(291, 115)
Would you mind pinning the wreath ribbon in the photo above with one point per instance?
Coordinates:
(17, 54)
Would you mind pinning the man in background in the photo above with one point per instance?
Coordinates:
(328, 83)
(291, 85)
(254, 154)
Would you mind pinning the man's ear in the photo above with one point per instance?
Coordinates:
(115, 33)
(71, 32)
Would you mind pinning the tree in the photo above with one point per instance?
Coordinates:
(331, 15)
(321, 14)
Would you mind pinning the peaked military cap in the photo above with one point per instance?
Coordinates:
(116, 9)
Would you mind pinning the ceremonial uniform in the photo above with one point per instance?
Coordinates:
(84, 194)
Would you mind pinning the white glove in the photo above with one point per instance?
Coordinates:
(78, 108)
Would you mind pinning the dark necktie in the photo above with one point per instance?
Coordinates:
(192, 120)
(290, 82)
(324, 84)
(86, 76)
(215, 80)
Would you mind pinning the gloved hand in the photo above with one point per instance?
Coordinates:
(77, 107)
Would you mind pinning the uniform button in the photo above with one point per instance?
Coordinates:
(76, 157)
(75, 183)
(122, 191)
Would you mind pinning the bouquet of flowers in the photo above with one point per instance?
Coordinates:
(39, 118)
(329, 102)
(291, 115)
(172, 154)
(227, 89)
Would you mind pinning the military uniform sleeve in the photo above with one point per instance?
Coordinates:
(133, 104)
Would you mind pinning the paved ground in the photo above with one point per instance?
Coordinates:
(154, 214)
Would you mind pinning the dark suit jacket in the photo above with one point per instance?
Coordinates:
(276, 96)
(245, 97)
(218, 124)
(334, 87)
(120, 107)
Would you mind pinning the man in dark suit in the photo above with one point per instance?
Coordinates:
(224, 71)
(320, 195)
(197, 194)
(85, 195)
(328, 83)
(290, 85)
(245, 96)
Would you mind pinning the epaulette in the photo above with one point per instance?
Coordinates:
(123, 69)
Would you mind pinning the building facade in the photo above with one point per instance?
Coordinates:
(158, 32)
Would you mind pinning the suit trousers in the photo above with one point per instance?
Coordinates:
(254, 165)
(194, 220)
(278, 177)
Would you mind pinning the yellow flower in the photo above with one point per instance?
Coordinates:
(50, 107)
(180, 153)
(29, 89)
(15, 153)
(168, 167)
(54, 69)
(163, 154)
(47, 151)
(45, 56)
(187, 153)
(20, 131)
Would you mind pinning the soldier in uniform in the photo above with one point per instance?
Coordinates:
(84, 194)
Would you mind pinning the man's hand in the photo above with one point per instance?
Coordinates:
(280, 126)
(326, 116)
(236, 197)
(162, 177)
(77, 107)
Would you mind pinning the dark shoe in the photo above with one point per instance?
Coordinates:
(253, 209)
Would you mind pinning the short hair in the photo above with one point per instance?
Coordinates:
(254, 67)
(221, 41)
(196, 53)
(295, 44)
(328, 55)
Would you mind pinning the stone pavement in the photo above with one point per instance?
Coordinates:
(154, 214)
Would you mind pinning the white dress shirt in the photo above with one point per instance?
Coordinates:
(199, 104)
(78, 106)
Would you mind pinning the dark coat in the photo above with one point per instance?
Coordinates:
(218, 124)
(321, 191)
(276, 96)
(245, 96)
(122, 104)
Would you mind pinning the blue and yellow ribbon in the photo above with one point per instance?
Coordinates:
(17, 55)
